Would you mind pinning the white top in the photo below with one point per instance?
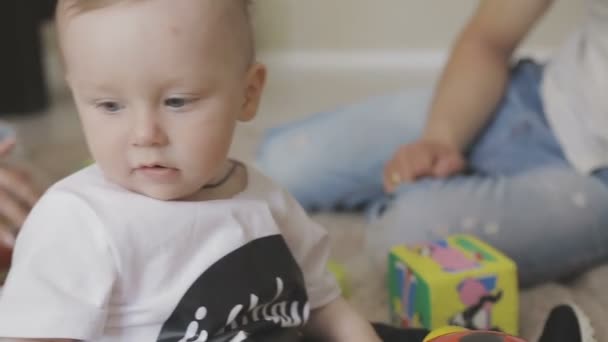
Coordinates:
(96, 262)
(575, 92)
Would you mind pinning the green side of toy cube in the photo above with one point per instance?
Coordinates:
(409, 295)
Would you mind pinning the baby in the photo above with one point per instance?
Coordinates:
(165, 238)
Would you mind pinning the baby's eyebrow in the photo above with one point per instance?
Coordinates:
(93, 87)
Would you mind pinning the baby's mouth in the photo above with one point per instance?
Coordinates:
(155, 167)
(151, 167)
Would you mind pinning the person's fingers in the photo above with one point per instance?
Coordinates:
(405, 167)
(395, 174)
(13, 212)
(449, 164)
(399, 170)
(19, 183)
(422, 162)
(6, 146)
(7, 236)
(419, 160)
(391, 178)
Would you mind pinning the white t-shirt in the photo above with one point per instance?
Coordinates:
(95, 262)
(575, 92)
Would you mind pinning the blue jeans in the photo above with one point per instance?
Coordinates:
(521, 194)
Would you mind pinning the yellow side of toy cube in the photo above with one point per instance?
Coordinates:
(449, 308)
(444, 298)
(419, 263)
(497, 269)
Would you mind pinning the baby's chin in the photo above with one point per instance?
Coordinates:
(161, 192)
(176, 189)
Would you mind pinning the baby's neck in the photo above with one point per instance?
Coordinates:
(232, 181)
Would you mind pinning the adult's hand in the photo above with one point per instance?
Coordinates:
(422, 159)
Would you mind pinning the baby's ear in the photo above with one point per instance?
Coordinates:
(254, 87)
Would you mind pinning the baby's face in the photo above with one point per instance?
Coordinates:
(158, 93)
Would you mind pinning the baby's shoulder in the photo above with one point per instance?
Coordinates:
(278, 200)
(262, 187)
(85, 197)
(88, 182)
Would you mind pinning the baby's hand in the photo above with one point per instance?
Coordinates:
(17, 196)
(422, 159)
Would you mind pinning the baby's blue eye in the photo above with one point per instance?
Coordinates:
(109, 106)
(176, 102)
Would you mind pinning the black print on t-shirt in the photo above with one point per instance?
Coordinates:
(256, 293)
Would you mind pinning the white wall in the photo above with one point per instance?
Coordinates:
(343, 25)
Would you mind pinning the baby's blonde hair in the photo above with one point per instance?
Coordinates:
(80, 6)
(242, 26)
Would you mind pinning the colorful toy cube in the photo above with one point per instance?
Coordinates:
(456, 281)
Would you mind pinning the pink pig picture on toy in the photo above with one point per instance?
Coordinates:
(449, 258)
(477, 296)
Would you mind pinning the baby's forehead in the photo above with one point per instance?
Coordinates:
(222, 23)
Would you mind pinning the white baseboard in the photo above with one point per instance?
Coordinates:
(391, 60)
(416, 59)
